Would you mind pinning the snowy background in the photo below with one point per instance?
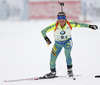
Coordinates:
(24, 54)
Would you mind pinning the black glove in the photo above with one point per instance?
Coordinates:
(47, 40)
(94, 27)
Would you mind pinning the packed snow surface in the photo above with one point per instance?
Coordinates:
(24, 54)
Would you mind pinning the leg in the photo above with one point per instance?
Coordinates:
(54, 54)
(67, 48)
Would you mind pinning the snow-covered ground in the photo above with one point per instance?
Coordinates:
(24, 54)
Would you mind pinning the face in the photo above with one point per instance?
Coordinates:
(62, 22)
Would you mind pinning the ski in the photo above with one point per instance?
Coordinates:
(26, 79)
(37, 78)
(41, 78)
(97, 76)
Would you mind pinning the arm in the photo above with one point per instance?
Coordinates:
(76, 24)
(48, 29)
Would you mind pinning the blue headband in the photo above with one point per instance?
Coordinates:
(61, 17)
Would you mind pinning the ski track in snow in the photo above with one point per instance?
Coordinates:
(24, 54)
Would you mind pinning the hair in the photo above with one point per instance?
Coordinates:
(61, 13)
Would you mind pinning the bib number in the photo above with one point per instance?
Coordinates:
(62, 37)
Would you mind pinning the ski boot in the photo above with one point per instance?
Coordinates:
(52, 74)
(69, 71)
